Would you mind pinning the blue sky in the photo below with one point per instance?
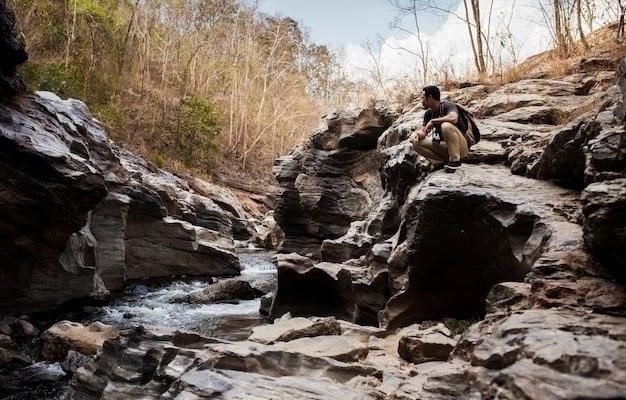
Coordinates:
(338, 23)
(517, 31)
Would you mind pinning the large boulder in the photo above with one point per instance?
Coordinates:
(605, 213)
(49, 183)
(166, 247)
(349, 292)
(463, 233)
(423, 345)
(226, 290)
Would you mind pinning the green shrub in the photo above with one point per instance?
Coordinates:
(114, 118)
(159, 160)
(64, 81)
(197, 132)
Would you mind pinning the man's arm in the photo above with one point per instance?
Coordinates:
(426, 127)
(452, 117)
(451, 114)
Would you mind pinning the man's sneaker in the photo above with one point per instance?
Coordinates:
(452, 166)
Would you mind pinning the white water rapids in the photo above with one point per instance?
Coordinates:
(152, 304)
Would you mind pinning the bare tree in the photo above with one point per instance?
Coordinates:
(580, 24)
(410, 8)
(558, 20)
(376, 72)
(620, 22)
(478, 40)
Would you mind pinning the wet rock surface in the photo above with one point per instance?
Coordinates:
(222, 291)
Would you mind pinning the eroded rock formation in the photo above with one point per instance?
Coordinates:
(331, 181)
(530, 240)
(433, 245)
(81, 217)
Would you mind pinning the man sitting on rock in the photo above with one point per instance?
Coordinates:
(449, 142)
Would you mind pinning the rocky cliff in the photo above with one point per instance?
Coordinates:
(80, 216)
(528, 236)
(548, 171)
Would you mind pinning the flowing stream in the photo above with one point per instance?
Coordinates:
(143, 304)
(151, 304)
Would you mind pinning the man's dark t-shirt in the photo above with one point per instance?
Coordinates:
(444, 109)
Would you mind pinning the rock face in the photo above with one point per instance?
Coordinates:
(13, 54)
(605, 213)
(605, 201)
(462, 234)
(331, 181)
(81, 217)
(529, 240)
(434, 245)
(121, 219)
(44, 171)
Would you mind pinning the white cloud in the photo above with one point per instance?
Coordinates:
(515, 34)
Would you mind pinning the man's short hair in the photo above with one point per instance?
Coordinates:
(432, 91)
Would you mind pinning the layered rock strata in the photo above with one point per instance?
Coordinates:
(331, 181)
(436, 243)
(556, 353)
(81, 217)
(530, 240)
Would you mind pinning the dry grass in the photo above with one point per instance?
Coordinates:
(550, 65)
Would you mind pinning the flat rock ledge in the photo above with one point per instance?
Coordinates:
(557, 353)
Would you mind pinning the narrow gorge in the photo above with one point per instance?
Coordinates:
(380, 278)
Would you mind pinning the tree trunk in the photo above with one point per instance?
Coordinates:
(620, 22)
(71, 37)
(469, 29)
(558, 28)
(479, 38)
(122, 55)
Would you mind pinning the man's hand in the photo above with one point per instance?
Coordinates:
(417, 135)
